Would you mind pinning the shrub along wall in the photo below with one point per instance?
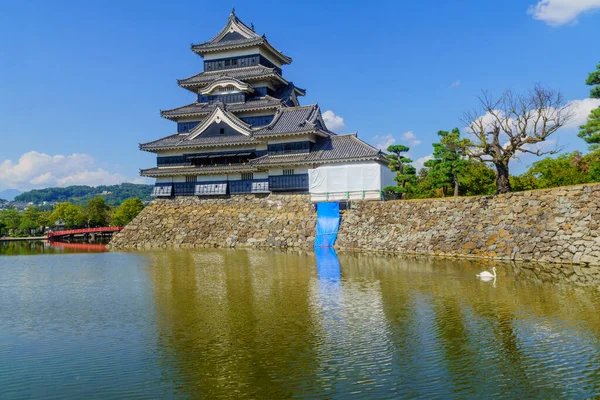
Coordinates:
(554, 225)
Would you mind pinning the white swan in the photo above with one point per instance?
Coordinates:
(486, 275)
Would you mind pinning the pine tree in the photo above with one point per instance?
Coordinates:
(449, 161)
(405, 172)
(590, 132)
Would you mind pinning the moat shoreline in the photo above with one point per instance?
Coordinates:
(555, 226)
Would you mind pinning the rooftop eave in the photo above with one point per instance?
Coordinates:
(290, 133)
(201, 48)
(192, 86)
(204, 113)
(197, 146)
(310, 162)
(158, 172)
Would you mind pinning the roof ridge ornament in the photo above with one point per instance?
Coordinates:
(232, 14)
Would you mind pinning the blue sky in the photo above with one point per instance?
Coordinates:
(82, 83)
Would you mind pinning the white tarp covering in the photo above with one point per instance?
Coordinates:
(351, 181)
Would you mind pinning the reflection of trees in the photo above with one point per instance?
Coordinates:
(234, 322)
(515, 336)
(260, 324)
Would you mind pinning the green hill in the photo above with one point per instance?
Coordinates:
(113, 194)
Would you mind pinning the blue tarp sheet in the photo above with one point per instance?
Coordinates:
(328, 265)
(328, 222)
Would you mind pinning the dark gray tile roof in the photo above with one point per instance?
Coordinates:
(167, 141)
(293, 119)
(206, 108)
(234, 42)
(178, 141)
(337, 148)
(154, 172)
(243, 74)
(287, 121)
(229, 38)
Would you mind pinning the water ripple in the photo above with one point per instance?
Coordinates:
(243, 324)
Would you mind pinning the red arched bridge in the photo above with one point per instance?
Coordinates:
(83, 231)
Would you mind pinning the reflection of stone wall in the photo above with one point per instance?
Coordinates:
(274, 221)
(554, 225)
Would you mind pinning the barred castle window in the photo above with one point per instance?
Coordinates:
(288, 172)
(247, 176)
(191, 179)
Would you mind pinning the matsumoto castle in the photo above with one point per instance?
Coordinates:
(247, 132)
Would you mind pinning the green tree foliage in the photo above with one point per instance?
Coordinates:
(127, 212)
(520, 183)
(72, 215)
(448, 162)
(593, 79)
(114, 194)
(10, 220)
(566, 169)
(590, 131)
(97, 212)
(406, 174)
(30, 220)
(477, 179)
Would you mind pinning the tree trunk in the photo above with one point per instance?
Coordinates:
(455, 186)
(502, 181)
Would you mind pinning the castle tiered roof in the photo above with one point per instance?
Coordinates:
(284, 96)
(245, 74)
(237, 35)
(244, 103)
(287, 121)
(333, 149)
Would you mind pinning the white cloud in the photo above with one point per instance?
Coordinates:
(419, 163)
(383, 142)
(410, 138)
(37, 170)
(560, 12)
(333, 122)
(454, 85)
(581, 110)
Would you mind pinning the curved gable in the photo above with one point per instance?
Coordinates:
(220, 123)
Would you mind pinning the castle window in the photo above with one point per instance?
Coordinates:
(222, 131)
(247, 176)
(191, 179)
(288, 172)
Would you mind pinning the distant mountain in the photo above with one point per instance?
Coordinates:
(113, 194)
(9, 194)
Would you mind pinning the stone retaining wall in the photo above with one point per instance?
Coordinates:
(555, 225)
(242, 221)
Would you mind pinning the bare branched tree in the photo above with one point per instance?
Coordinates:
(514, 124)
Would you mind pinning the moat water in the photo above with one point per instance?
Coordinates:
(258, 324)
